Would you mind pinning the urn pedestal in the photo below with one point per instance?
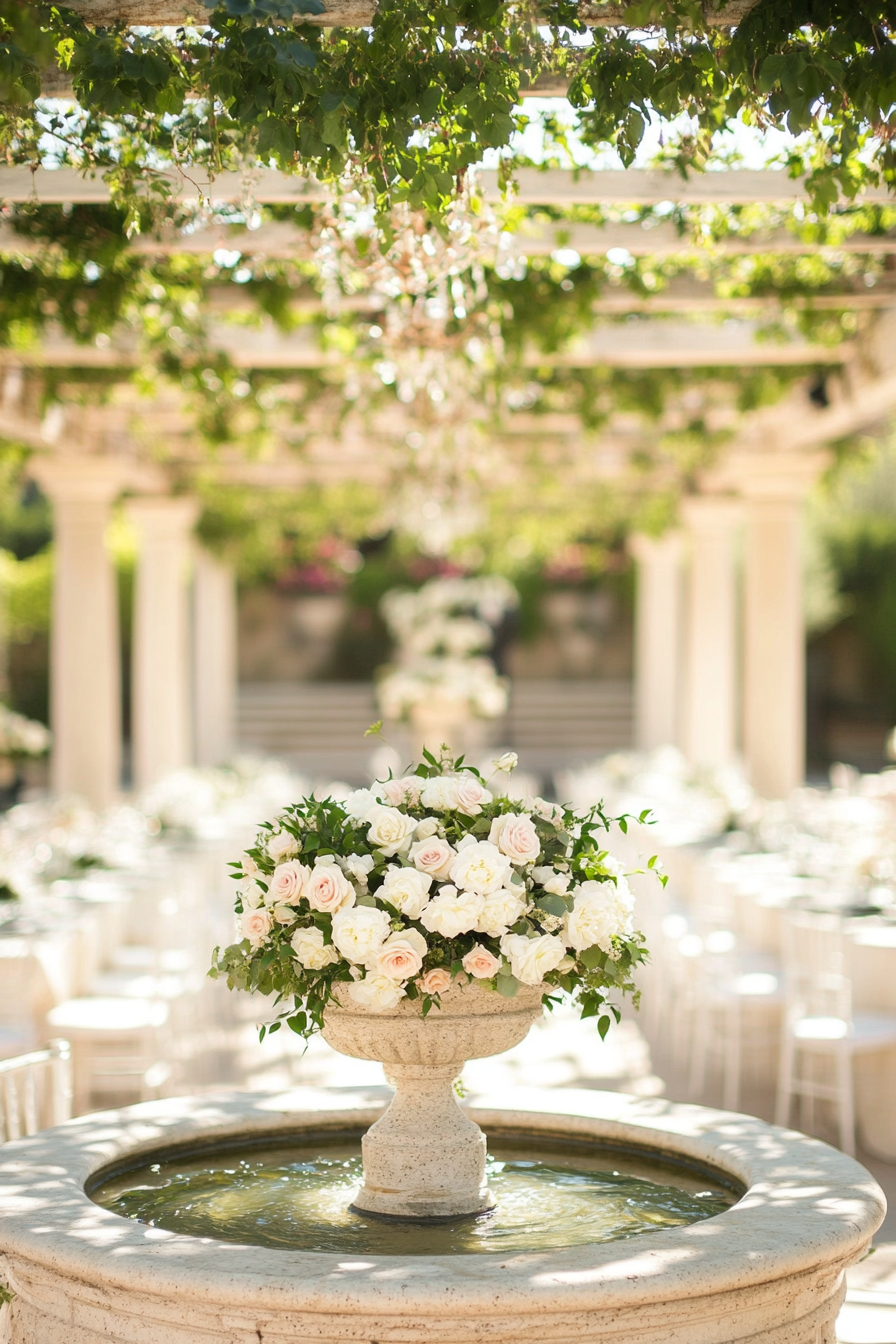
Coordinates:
(425, 1158)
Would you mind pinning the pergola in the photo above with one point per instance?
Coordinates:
(719, 665)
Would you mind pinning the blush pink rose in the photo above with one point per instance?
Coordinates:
(432, 855)
(398, 792)
(401, 955)
(480, 963)
(327, 888)
(286, 882)
(435, 981)
(516, 836)
(255, 925)
(470, 796)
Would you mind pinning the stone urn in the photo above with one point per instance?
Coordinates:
(425, 1158)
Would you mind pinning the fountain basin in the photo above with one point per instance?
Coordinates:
(769, 1269)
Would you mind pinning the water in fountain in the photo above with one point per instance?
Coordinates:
(297, 1196)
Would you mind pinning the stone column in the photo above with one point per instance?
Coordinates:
(85, 675)
(774, 632)
(214, 658)
(657, 639)
(709, 703)
(161, 701)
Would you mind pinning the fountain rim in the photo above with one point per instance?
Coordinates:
(806, 1207)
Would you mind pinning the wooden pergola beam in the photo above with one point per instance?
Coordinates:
(349, 13)
(552, 187)
(535, 238)
(653, 343)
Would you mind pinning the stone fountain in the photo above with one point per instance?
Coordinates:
(769, 1269)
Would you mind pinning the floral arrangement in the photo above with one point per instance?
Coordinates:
(20, 736)
(472, 683)
(403, 889)
(443, 632)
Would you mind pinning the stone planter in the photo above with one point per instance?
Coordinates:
(426, 1158)
(769, 1271)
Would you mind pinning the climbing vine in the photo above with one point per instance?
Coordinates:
(415, 99)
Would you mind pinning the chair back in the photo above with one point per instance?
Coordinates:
(35, 1091)
(816, 969)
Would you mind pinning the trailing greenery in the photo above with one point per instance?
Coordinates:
(415, 100)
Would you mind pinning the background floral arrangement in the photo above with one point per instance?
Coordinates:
(20, 736)
(443, 632)
(405, 888)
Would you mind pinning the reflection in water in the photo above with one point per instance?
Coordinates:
(296, 1197)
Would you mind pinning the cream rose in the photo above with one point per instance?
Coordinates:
(255, 925)
(377, 992)
(532, 958)
(506, 763)
(250, 867)
(601, 912)
(401, 955)
(500, 910)
(558, 885)
(407, 889)
(471, 796)
(432, 855)
(435, 981)
(516, 836)
(252, 896)
(428, 826)
(311, 950)
(480, 867)
(440, 793)
(327, 888)
(360, 932)
(281, 845)
(480, 963)
(287, 880)
(452, 912)
(389, 830)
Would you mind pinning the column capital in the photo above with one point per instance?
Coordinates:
(720, 512)
(665, 547)
(172, 514)
(82, 477)
(785, 477)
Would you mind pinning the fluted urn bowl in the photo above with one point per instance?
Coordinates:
(425, 1158)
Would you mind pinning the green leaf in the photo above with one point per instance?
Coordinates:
(507, 985)
(551, 904)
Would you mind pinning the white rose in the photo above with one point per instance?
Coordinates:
(250, 867)
(481, 963)
(376, 992)
(255, 925)
(327, 887)
(612, 867)
(550, 811)
(433, 856)
(311, 950)
(287, 880)
(600, 913)
(281, 845)
(509, 761)
(252, 896)
(359, 802)
(428, 826)
(532, 958)
(360, 932)
(500, 910)
(401, 955)
(390, 831)
(480, 867)
(557, 884)
(471, 796)
(357, 866)
(407, 889)
(516, 836)
(452, 912)
(440, 793)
